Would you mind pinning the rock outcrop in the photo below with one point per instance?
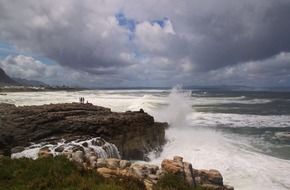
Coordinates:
(134, 133)
(150, 174)
(207, 179)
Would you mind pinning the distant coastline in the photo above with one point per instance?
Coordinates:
(4, 89)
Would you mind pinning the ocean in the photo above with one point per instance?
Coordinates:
(240, 133)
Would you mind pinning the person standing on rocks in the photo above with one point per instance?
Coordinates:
(82, 100)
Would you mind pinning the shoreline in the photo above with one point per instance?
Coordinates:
(92, 136)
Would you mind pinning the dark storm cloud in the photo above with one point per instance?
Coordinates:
(196, 38)
(68, 32)
(237, 36)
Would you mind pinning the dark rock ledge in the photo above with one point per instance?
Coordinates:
(134, 133)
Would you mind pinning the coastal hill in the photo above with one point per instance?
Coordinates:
(34, 83)
(6, 80)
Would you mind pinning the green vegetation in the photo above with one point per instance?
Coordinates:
(173, 182)
(56, 174)
(60, 174)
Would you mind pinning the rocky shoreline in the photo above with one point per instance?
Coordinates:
(97, 139)
(134, 133)
(148, 174)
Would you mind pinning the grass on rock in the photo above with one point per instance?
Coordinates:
(56, 174)
(172, 182)
(59, 173)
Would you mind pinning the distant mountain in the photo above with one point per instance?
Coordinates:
(5, 80)
(26, 82)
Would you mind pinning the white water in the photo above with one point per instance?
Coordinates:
(95, 146)
(240, 164)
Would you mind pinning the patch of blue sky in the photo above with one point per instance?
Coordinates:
(130, 25)
(160, 22)
(7, 49)
(125, 22)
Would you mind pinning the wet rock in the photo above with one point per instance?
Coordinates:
(78, 148)
(44, 152)
(178, 159)
(134, 133)
(188, 173)
(59, 149)
(17, 149)
(85, 144)
(152, 169)
(211, 176)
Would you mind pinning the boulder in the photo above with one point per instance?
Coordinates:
(188, 173)
(124, 164)
(138, 171)
(93, 161)
(171, 166)
(78, 156)
(150, 174)
(101, 163)
(211, 176)
(108, 173)
(44, 153)
(59, 149)
(112, 163)
(208, 179)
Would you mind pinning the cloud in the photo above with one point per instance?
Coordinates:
(152, 37)
(274, 71)
(72, 33)
(26, 67)
(148, 42)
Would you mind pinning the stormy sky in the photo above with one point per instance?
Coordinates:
(126, 43)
